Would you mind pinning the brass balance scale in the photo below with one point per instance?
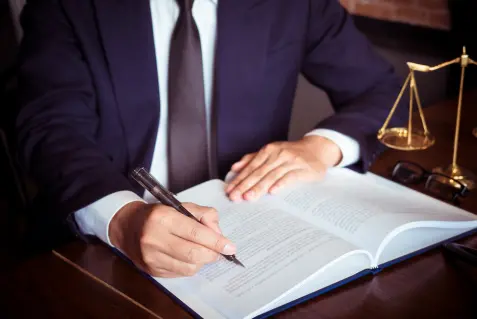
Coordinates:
(410, 138)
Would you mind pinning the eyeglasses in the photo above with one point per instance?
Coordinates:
(443, 186)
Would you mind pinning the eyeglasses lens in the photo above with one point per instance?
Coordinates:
(442, 186)
(408, 173)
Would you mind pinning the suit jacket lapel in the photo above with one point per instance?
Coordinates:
(243, 29)
(126, 31)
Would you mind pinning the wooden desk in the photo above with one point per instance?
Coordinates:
(428, 286)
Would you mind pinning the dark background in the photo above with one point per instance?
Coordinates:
(10, 204)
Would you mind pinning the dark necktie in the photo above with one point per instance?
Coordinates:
(188, 150)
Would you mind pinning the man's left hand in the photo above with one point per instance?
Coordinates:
(281, 164)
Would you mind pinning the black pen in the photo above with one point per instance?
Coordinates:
(162, 194)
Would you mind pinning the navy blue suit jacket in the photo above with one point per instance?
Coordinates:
(90, 100)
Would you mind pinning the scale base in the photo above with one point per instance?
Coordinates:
(397, 138)
(458, 173)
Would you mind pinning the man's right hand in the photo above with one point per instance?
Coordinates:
(165, 243)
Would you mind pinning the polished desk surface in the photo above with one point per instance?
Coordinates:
(431, 285)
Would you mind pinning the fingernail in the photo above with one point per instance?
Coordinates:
(250, 195)
(235, 196)
(229, 249)
(218, 229)
(273, 190)
(229, 188)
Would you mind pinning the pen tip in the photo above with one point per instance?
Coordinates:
(236, 261)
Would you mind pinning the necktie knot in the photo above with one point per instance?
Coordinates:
(185, 5)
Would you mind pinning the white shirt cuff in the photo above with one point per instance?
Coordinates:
(349, 146)
(94, 219)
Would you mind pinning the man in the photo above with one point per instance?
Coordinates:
(189, 90)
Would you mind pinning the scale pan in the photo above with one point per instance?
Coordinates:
(397, 138)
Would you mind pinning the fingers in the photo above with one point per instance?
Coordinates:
(206, 215)
(253, 164)
(275, 166)
(292, 177)
(161, 265)
(174, 245)
(252, 187)
(264, 185)
(195, 232)
(165, 243)
(187, 251)
(255, 180)
(242, 163)
(163, 273)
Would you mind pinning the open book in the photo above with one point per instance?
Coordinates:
(309, 239)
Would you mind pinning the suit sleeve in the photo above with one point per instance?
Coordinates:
(58, 116)
(361, 85)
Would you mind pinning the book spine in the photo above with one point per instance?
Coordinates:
(375, 270)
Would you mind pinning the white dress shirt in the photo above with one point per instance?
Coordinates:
(94, 219)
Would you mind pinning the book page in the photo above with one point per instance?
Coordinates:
(279, 250)
(364, 209)
(328, 276)
(416, 237)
